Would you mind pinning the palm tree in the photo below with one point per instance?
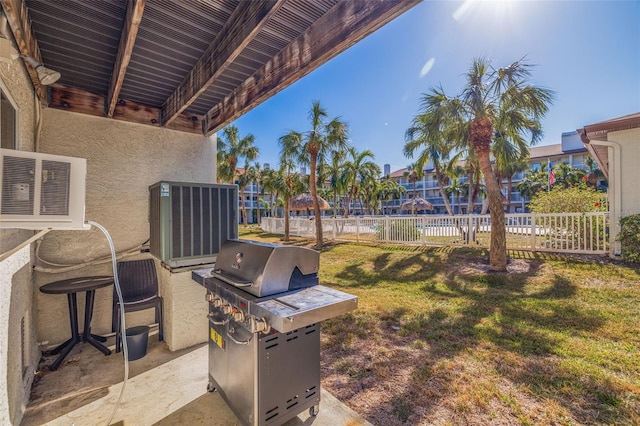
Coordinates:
(332, 172)
(252, 175)
(456, 187)
(369, 187)
(231, 149)
(270, 186)
(413, 173)
(534, 181)
(495, 104)
(323, 137)
(244, 179)
(289, 152)
(594, 174)
(429, 136)
(390, 189)
(356, 170)
(256, 177)
(568, 176)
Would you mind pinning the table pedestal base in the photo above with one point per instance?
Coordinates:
(86, 335)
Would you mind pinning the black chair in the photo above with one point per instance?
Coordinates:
(139, 286)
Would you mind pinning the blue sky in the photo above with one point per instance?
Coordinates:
(588, 52)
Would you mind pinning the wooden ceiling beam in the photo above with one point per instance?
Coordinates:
(20, 23)
(341, 27)
(243, 25)
(133, 17)
(77, 100)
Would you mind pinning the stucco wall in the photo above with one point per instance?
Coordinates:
(16, 301)
(123, 159)
(629, 140)
(185, 309)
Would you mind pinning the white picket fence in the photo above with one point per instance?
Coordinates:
(586, 233)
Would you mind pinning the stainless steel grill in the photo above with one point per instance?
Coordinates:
(265, 306)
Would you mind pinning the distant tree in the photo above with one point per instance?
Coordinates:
(594, 174)
(332, 172)
(390, 189)
(358, 168)
(231, 150)
(413, 174)
(324, 136)
(429, 137)
(244, 179)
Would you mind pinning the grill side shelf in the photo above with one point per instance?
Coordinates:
(286, 311)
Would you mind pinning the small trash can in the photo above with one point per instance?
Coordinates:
(137, 339)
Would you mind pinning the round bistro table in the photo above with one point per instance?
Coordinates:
(71, 287)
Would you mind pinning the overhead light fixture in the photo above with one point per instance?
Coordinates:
(45, 75)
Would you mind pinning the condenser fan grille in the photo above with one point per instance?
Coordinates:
(18, 179)
(56, 183)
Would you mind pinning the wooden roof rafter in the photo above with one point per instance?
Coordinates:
(246, 21)
(133, 17)
(18, 18)
(343, 26)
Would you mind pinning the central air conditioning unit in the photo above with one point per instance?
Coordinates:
(41, 191)
(190, 221)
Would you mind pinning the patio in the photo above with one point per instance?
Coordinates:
(164, 388)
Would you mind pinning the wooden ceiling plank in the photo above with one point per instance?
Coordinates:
(243, 25)
(133, 17)
(344, 25)
(73, 99)
(20, 23)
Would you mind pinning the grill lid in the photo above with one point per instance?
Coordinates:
(264, 269)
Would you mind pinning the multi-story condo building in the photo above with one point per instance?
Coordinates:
(570, 151)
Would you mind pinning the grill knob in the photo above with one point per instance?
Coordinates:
(238, 316)
(259, 325)
(227, 309)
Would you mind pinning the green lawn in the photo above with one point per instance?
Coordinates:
(437, 340)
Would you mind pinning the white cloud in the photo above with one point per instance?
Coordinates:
(427, 67)
(386, 124)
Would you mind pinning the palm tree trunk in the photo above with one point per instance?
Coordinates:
(286, 219)
(242, 207)
(347, 202)
(509, 185)
(258, 201)
(443, 194)
(314, 195)
(498, 245)
(472, 188)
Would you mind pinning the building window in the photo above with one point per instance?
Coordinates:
(7, 122)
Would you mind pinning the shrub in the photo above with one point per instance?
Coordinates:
(579, 199)
(583, 232)
(629, 238)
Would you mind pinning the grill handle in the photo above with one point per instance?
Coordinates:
(237, 282)
(216, 322)
(230, 332)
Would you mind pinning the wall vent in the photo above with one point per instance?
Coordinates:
(39, 191)
(190, 221)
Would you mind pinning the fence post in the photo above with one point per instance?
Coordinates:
(385, 231)
(533, 230)
(333, 227)
(423, 230)
(357, 230)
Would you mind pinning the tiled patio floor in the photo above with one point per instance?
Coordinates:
(164, 388)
